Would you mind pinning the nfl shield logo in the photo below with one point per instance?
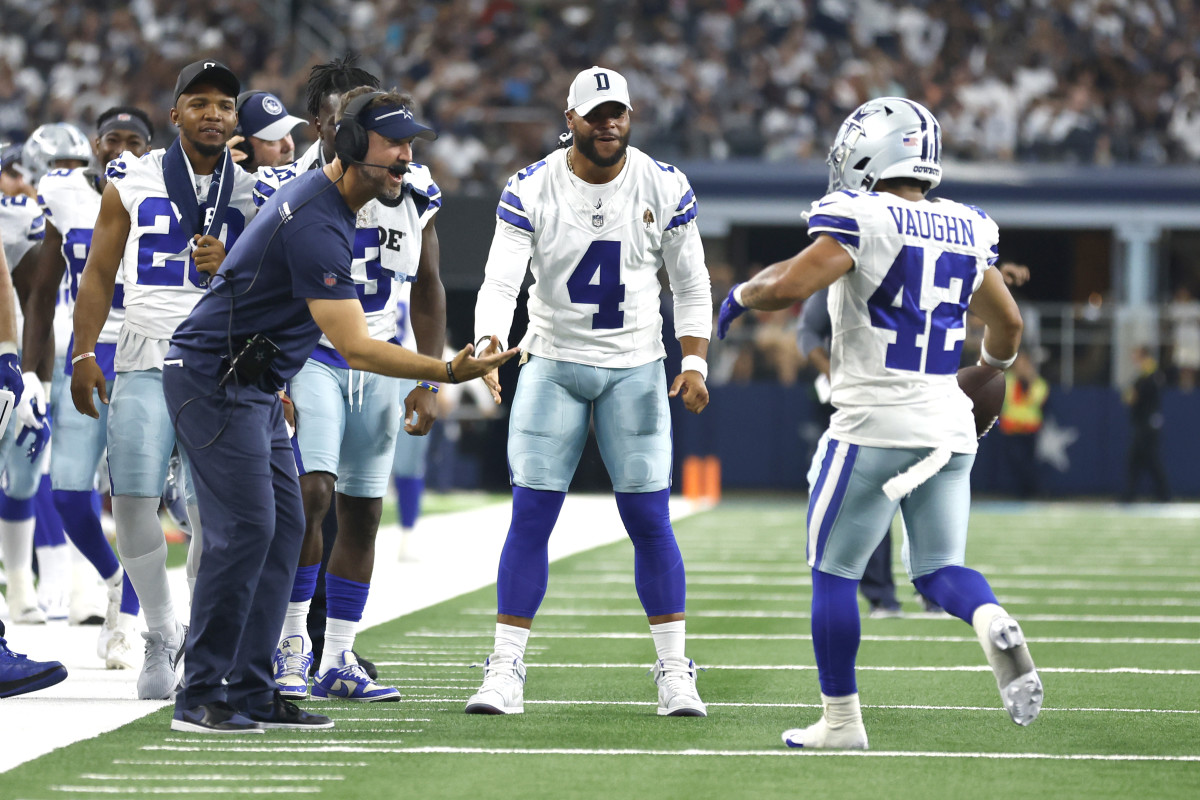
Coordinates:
(597, 220)
(330, 279)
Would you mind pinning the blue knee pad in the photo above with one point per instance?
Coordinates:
(836, 631)
(658, 570)
(959, 590)
(524, 561)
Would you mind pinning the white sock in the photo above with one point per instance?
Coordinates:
(510, 641)
(295, 622)
(195, 547)
(841, 711)
(16, 541)
(116, 579)
(669, 639)
(339, 637)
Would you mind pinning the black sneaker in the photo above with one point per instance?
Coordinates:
(215, 717)
(368, 667)
(280, 713)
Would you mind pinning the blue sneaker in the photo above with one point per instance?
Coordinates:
(21, 675)
(351, 682)
(215, 717)
(292, 663)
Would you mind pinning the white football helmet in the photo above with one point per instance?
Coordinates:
(50, 143)
(888, 137)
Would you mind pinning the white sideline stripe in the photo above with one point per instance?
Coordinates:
(211, 777)
(802, 599)
(738, 614)
(158, 762)
(186, 789)
(861, 668)
(315, 739)
(50, 719)
(803, 637)
(340, 719)
(174, 748)
(787, 752)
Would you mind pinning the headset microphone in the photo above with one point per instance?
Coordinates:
(397, 170)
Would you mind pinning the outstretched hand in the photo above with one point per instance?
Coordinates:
(465, 367)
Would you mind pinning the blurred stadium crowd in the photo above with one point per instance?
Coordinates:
(1083, 81)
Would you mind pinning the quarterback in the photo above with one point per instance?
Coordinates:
(595, 223)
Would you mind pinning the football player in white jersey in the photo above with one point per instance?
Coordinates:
(70, 200)
(165, 221)
(595, 223)
(902, 272)
(347, 424)
(21, 229)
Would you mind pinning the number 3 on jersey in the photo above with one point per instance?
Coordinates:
(596, 281)
(897, 306)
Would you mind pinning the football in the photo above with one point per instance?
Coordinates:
(985, 386)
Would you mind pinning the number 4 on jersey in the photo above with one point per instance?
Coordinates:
(607, 292)
(896, 306)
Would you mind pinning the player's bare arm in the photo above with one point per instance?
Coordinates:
(346, 326)
(689, 384)
(812, 269)
(993, 304)
(94, 300)
(38, 334)
(427, 309)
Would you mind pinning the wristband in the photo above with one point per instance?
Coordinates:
(737, 295)
(433, 387)
(992, 361)
(450, 373)
(81, 357)
(695, 363)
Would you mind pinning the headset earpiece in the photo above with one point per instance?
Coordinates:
(350, 140)
(237, 106)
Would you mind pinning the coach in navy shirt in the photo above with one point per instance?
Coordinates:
(287, 281)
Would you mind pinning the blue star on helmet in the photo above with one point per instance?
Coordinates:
(863, 113)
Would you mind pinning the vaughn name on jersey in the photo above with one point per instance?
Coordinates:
(387, 243)
(70, 199)
(595, 253)
(162, 284)
(899, 317)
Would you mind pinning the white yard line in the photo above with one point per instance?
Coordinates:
(92, 700)
(766, 637)
(809, 667)
(782, 751)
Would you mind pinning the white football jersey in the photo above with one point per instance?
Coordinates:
(162, 283)
(387, 242)
(70, 199)
(595, 297)
(899, 317)
(22, 226)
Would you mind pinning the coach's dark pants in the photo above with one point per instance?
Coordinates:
(253, 520)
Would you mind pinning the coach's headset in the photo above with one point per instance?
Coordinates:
(350, 139)
(245, 146)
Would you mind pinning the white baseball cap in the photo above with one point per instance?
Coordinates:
(595, 86)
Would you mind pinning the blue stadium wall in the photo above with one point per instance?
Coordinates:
(764, 435)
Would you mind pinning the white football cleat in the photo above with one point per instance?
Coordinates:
(677, 694)
(1016, 677)
(820, 736)
(503, 690)
(23, 605)
(119, 650)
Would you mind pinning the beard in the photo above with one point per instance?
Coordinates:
(208, 150)
(588, 148)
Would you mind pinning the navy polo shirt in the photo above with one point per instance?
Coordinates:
(298, 246)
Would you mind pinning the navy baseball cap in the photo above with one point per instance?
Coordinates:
(208, 71)
(262, 115)
(396, 122)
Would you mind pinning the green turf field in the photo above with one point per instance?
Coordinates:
(1109, 598)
